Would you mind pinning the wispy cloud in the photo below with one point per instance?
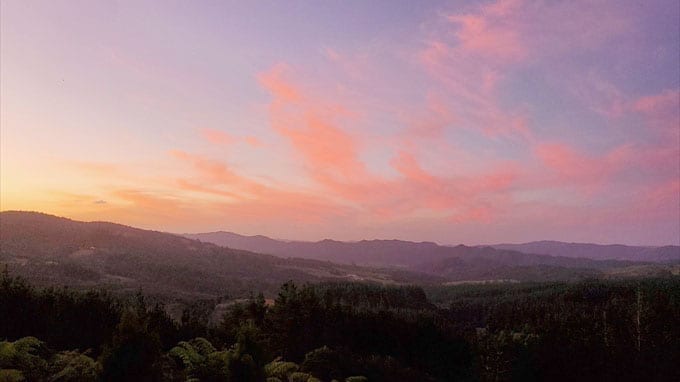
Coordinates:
(479, 117)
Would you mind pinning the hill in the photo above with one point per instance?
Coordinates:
(394, 253)
(50, 250)
(459, 263)
(669, 253)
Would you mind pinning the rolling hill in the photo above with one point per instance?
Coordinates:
(669, 253)
(457, 263)
(54, 251)
(393, 253)
(50, 250)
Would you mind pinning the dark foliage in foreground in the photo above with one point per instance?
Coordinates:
(613, 330)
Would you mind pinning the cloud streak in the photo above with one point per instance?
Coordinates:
(505, 120)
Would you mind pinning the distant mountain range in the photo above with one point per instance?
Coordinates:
(669, 253)
(409, 254)
(50, 250)
(459, 263)
(394, 253)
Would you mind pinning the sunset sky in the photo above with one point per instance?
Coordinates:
(455, 122)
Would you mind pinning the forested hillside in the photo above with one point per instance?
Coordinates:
(459, 263)
(668, 253)
(54, 251)
(152, 306)
(589, 331)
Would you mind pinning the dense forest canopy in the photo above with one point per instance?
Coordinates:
(592, 330)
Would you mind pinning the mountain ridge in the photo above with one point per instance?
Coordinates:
(51, 251)
(319, 249)
(667, 253)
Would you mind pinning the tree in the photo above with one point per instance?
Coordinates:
(323, 363)
(24, 358)
(280, 369)
(202, 362)
(74, 366)
(248, 355)
(134, 351)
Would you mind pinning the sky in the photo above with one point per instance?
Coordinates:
(448, 121)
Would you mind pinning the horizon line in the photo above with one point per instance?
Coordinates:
(223, 230)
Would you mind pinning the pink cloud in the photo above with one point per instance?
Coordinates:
(407, 165)
(491, 33)
(658, 103)
(460, 195)
(662, 112)
(326, 149)
(475, 50)
(481, 214)
(597, 94)
(247, 197)
(331, 156)
(253, 141)
(271, 80)
(433, 120)
(516, 30)
(655, 199)
(217, 173)
(470, 92)
(575, 169)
